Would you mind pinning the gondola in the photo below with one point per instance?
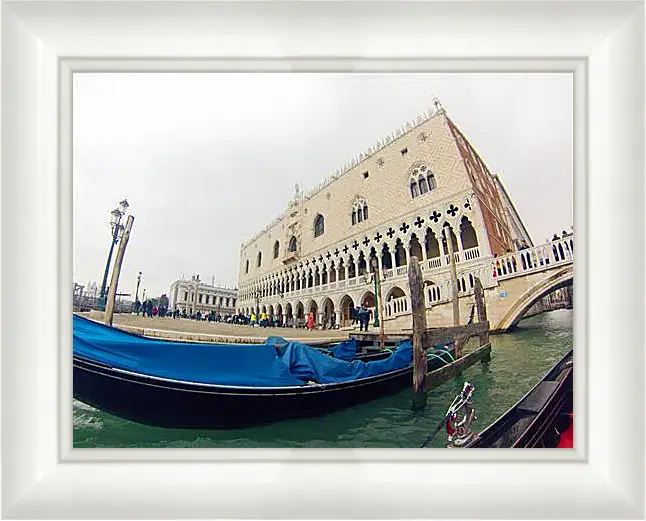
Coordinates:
(205, 386)
(542, 418)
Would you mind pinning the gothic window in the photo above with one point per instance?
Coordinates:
(292, 244)
(319, 225)
(246, 267)
(276, 248)
(422, 181)
(259, 259)
(467, 234)
(359, 211)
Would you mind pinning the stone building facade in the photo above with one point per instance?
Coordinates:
(194, 295)
(399, 199)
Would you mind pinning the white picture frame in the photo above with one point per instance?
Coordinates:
(601, 43)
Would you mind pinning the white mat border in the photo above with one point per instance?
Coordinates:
(601, 43)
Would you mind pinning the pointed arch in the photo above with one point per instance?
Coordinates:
(362, 266)
(352, 268)
(386, 257)
(454, 240)
(347, 310)
(468, 235)
(332, 274)
(395, 292)
(415, 248)
(368, 299)
(319, 225)
(400, 254)
(431, 245)
(276, 249)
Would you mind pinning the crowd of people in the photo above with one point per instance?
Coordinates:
(358, 315)
(148, 308)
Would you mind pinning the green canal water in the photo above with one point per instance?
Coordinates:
(519, 360)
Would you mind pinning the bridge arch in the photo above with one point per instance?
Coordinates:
(518, 309)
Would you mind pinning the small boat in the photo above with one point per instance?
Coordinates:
(541, 418)
(211, 386)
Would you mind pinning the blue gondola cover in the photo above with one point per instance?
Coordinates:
(276, 363)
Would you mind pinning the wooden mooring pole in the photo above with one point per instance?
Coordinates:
(109, 307)
(481, 312)
(418, 311)
(454, 286)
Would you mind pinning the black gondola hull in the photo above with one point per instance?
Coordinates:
(179, 404)
(538, 418)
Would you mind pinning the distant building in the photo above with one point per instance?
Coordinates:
(390, 203)
(194, 295)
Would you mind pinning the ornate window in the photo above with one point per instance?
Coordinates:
(422, 181)
(359, 211)
(276, 248)
(292, 244)
(319, 225)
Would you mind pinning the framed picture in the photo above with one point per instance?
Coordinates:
(600, 44)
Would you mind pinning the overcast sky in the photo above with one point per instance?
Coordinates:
(207, 160)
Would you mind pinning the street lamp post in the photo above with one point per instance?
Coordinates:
(137, 290)
(117, 229)
(375, 277)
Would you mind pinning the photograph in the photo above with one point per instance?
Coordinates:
(323, 260)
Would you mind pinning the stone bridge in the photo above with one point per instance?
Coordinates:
(512, 284)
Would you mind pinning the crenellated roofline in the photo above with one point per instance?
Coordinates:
(407, 127)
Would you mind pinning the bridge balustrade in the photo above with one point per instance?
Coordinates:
(534, 259)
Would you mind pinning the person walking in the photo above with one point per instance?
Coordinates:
(310, 321)
(364, 316)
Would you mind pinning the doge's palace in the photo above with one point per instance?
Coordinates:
(401, 198)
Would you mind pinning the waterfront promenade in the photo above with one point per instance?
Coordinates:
(186, 329)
